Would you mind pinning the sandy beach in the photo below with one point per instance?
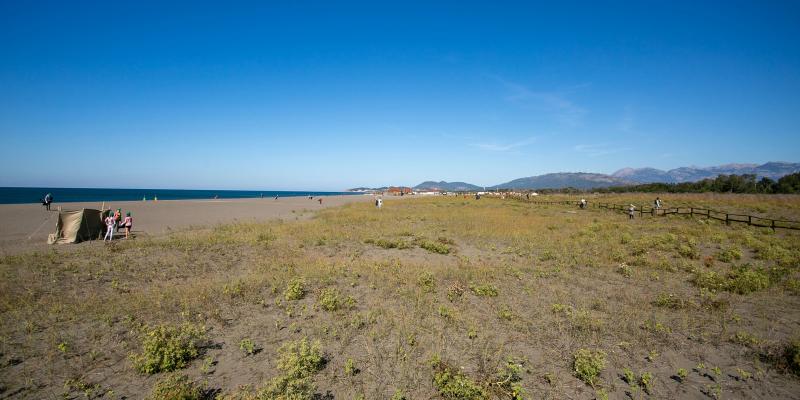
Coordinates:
(26, 226)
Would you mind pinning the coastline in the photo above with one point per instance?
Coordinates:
(31, 195)
(26, 226)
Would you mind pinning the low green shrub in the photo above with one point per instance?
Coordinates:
(744, 280)
(745, 339)
(426, 281)
(298, 361)
(505, 313)
(295, 290)
(435, 247)
(176, 387)
(729, 254)
(688, 250)
(167, 348)
(452, 384)
(390, 243)
(588, 364)
(508, 379)
(682, 374)
(484, 290)
(668, 300)
(350, 367)
(247, 346)
(329, 299)
(646, 382)
(629, 376)
(741, 280)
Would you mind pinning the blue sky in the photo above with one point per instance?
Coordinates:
(328, 96)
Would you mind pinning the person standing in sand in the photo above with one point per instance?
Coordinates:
(48, 198)
(117, 219)
(320, 200)
(128, 224)
(109, 228)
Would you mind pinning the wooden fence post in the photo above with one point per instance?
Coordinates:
(749, 220)
(727, 219)
(773, 225)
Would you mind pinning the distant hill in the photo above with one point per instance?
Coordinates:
(447, 186)
(644, 175)
(578, 180)
(773, 170)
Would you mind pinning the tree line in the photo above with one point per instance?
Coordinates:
(746, 183)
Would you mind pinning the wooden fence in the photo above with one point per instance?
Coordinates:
(727, 217)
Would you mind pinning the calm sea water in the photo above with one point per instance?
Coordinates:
(17, 195)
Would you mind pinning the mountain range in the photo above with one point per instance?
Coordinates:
(772, 170)
(447, 186)
(578, 180)
(625, 176)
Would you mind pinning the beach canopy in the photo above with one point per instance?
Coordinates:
(78, 226)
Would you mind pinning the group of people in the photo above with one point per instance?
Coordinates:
(115, 221)
(631, 209)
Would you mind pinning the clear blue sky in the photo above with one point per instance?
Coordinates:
(326, 97)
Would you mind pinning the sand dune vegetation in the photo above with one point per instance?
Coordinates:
(440, 297)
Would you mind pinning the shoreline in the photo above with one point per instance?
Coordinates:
(32, 195)
(26, 226)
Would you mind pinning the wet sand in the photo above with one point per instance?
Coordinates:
(26, 226)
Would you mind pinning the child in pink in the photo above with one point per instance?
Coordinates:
(128, 224)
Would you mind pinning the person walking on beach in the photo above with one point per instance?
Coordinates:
(631, 209)
(320, 200)
(128, 224)
(109, 228)
(48, 198)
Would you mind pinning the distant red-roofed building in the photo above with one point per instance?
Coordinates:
(398, 191)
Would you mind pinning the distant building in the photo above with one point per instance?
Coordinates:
(398, 190)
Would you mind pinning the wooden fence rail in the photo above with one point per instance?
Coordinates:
(728, 218)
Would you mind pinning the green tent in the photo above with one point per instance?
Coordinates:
(78, 226)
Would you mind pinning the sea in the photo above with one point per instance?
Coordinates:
(22, 195)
